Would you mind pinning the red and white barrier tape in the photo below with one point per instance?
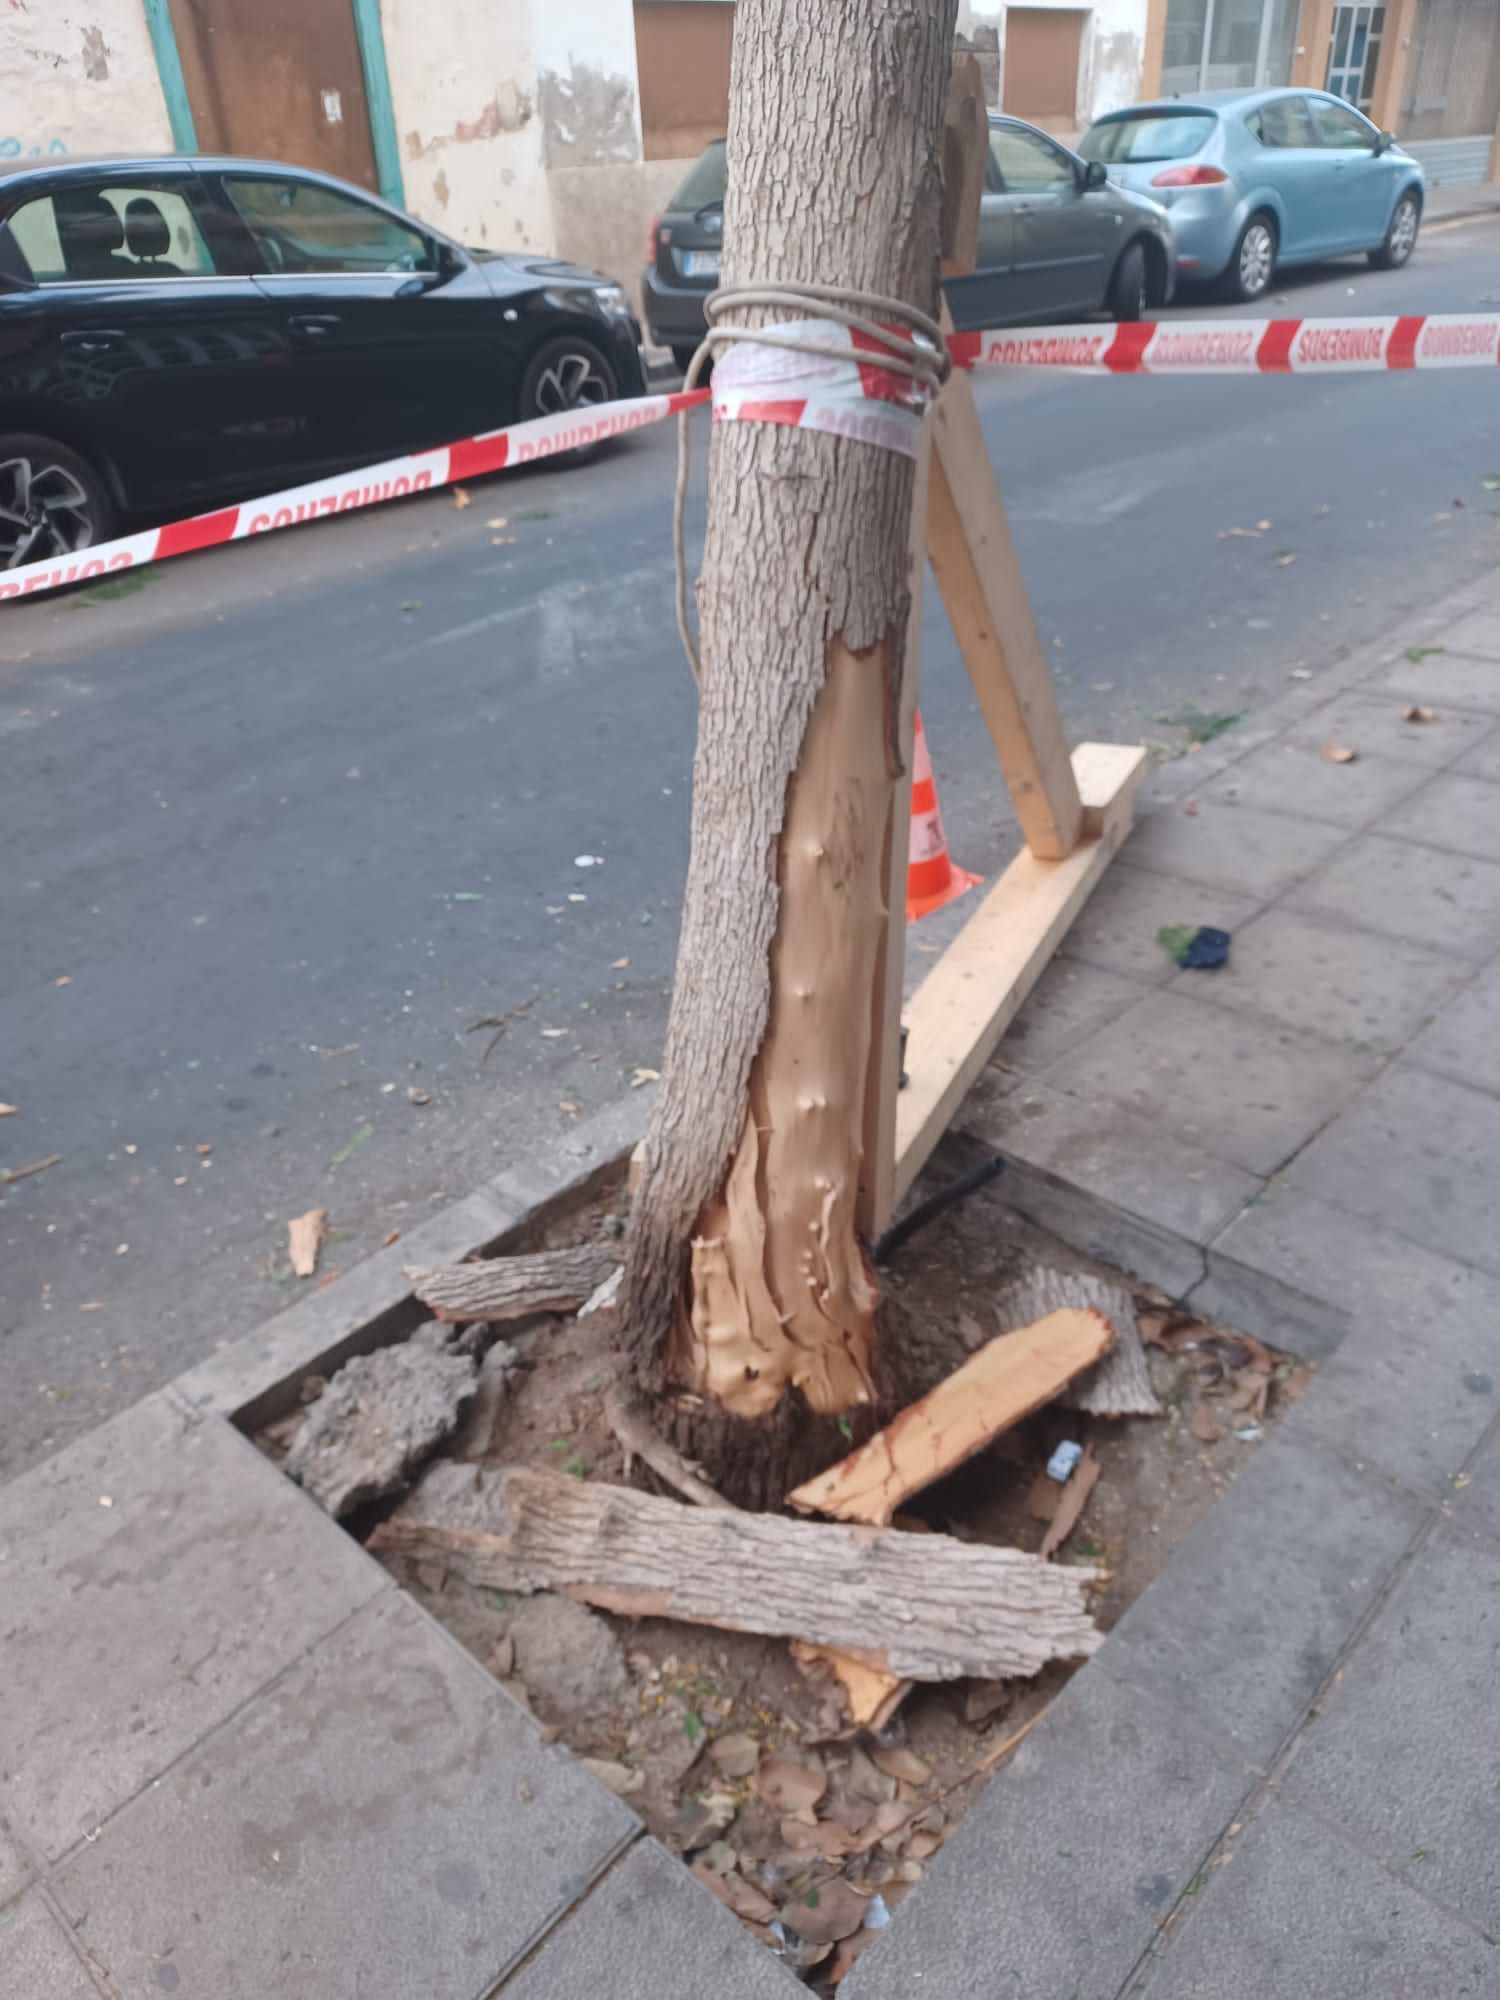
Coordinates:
(1241, 346)
(393, 479)
(855, 398)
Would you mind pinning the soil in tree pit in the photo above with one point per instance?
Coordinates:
(736, 1758)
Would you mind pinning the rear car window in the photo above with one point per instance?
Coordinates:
(706, 181)
(110, 230)
(1165, 135)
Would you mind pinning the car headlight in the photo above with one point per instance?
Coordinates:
(612, 300)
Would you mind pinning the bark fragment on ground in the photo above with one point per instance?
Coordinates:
(379, 1419)
(1008, 1378)
(503, 1288)
(1120, 1386)
(926, 1607)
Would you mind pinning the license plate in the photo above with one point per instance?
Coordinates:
(699, 263)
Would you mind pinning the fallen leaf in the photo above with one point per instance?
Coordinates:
(567, 1104)
(620, 1778)
(735, 1756)
(701, 1821)
(745, 1899)
(203, 1151)
(1081, 1483)
(1205, 1426)
(899, 1762)
(391, 1236)
(10, 1110)
(826, 1914)
(1416, 713)
(641, 1076)
(1338, 753)
(924, 1844)
(791, 1784)
(304, 1234)
(461, 497)
(618, 964)
(66, 980)
(821, 1836)
(867, 1781)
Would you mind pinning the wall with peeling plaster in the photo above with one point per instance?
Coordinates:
(1110, 58)
(78, 76)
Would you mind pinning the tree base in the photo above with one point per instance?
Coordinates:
(754, 1463)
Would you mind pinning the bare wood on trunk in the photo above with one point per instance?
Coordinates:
(501, 1288)
(1120, 1386)
(746, 1280)
(925, 1607)
(1005, 1381)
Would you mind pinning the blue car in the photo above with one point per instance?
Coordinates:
(1253, 179)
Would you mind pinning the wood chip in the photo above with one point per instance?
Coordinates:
(871, 1695)
(926, 1607)
(1338, 753)
(1416, 713)
(10, 1110)
(502, 1288)
(1006, 1380)
(1081, 1483)
(827, 1913)
(304, 1237)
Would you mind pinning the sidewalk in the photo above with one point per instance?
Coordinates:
(236, 1761)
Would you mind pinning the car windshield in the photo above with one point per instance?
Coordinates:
(1148, 135)
(706, 180)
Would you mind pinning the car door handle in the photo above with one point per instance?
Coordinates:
(98, 340)
(313, 326)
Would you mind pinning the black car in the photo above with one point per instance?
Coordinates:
(1055, 238)
(179, 333)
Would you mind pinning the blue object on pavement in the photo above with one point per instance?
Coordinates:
(1207, 949)
(1060, 1465)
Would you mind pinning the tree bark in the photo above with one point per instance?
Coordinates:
(749, 1302)
(502, 1288)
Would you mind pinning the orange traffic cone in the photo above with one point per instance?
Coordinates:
(931, 878)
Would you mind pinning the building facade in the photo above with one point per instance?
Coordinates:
(564, 125)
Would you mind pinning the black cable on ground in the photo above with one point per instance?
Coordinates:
(928, 1211)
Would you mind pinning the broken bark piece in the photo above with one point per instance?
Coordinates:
(1120, 1385)
(1081, 1482)
(1006, 1380)
(871, 1695)
(379, 1419)
(500, 1288)
(926, 1607)
(304, 1237)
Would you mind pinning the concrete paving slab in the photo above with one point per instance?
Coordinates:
(1068, 1862)
(1461, 1042)
(650, 1932)
(37, 1962)
(1232, 847)
(1415, 1153)
(1244, 1090)
(1449, 901)
(1313, 973)
(156, 1574)
(1404, 1752)
(1068, 1002)
(1452, 811)
(1478, 1502)
(1298, 1911)
(383, 1821)
(1370, 724)
(1117, 926)
(15, 1871)
(1450, 679)
(1479, 634)
(1287, 776)
(1483, 760)
(1289, 1238)
(1252, 1611)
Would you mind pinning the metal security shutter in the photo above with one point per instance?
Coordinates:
(1454, 162)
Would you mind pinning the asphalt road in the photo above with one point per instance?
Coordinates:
(281, 826)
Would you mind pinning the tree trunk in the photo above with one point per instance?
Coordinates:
(749, 1302)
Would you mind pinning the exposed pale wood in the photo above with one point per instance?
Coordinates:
(979, 574)
(1120, 1386)
(304, 1238)
(973, 992)
(1075, 1495)
(1009, 1377)
(501, 1288)
(925, 1607)
(871, 1694)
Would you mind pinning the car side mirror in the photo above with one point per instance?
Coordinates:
(1383, 143)
(1095, 175)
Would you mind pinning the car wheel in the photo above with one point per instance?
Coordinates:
(1126, 298)
(1253, 264)
(1401, 237)
(568, 373)
(52, 502)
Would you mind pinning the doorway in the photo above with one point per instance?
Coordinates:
(1354, 51)
(278, 80)
(1039, 70)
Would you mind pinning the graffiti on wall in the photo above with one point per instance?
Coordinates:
(35, 149)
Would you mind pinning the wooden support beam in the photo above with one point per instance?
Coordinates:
(979, 574)
(974, 991)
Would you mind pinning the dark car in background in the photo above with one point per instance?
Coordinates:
(1261, 178)
(179, 333)
(1056, 239)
